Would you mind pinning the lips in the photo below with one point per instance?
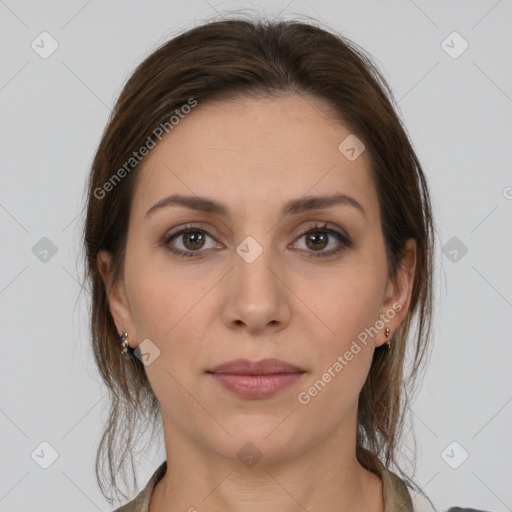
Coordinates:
(256, 379)
(263, 367)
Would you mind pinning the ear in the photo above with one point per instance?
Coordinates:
(398, 291)
(117, 298)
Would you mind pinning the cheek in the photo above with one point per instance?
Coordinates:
(152, 302)
(166, 311)
(174, 310)
(344, 353)
(160, 293)
(350, 303)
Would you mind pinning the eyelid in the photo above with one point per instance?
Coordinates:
(340, 234)
(181, 230)
(324, 226)
(210, 231)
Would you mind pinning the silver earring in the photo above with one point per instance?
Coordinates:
(126, 350)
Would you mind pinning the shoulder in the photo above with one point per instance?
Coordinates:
(142, 500)
(139, 504)
(128, 507)
(422, 504)
(464, 509)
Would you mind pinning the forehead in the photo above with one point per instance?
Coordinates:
(259, 152)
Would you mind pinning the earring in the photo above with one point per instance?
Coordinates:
(387, 333)
(126, 350)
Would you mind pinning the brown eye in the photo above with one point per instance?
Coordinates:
(317, 240)
(320, 237)
(192, 239)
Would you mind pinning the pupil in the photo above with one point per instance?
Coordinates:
(189, 237)
(320, 236)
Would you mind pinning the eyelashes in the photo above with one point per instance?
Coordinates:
(188, 230)
(327, 233)
(191, 232)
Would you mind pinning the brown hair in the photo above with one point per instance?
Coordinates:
(260, 58)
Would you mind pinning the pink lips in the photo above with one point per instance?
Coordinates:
(256, 379)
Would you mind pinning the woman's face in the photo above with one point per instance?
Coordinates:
(250, 283)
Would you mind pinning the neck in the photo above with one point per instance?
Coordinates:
(328, 477)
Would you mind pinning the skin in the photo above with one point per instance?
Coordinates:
(253, 156)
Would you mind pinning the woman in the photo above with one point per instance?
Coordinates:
(259, 238)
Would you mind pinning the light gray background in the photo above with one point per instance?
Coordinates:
(458, 112)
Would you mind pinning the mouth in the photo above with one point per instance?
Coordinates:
(263, 367)
(256, 379)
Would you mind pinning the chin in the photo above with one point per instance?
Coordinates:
(257, 440)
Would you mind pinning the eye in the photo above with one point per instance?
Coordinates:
(318, 237)
(191, 238)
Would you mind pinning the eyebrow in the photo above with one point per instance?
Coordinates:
(293, 207)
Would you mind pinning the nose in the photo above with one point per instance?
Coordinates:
(257, 296)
